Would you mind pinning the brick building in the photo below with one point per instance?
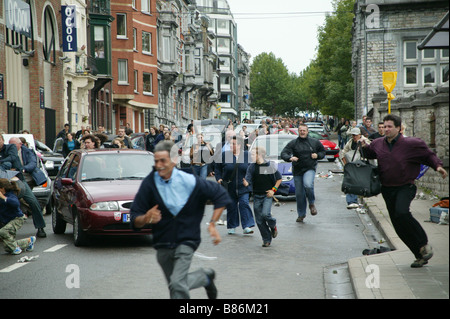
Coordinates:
(134, 62)
(31, 73)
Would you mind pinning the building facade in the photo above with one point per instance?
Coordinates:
(31, 71)
(134, 62)
(225, 45)
(385, 38)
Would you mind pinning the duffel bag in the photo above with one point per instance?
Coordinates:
(361, 178)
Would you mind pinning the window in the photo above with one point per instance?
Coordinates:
(223, 26)
(429, 75)
(422, 67)
(99, 42)
(135, 81)
(49, 36)
(410, 50)
(223, 45)
(146, 42)
(122, 66)
(145, 6)
(147, 82)
(411, 75)
(121, 25)
(444, 73)
(134, 39)
(428, 54)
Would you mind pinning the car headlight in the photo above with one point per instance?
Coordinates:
(105, 206)
(49, 164)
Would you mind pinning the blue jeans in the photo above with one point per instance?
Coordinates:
(351, 199)
(239, 206)
(201, 171)
(262, 206)
(304, 191)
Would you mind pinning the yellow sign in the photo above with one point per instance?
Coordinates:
(389, 82)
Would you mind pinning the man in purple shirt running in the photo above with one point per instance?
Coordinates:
(399, 160)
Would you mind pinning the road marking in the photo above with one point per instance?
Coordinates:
(13, 267)
(54, 248)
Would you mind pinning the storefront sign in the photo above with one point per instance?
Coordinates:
(17, 16)
(69, 29)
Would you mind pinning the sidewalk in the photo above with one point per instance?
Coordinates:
(397, 280)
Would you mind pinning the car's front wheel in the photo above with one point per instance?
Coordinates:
(80, 237)
(58, 223)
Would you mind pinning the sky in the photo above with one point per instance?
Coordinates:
(288, 28)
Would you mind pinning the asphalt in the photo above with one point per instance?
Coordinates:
(389, 275)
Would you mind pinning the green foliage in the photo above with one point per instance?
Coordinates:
(325, 85)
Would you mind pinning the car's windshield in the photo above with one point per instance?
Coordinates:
(116, 166)
(273, 146)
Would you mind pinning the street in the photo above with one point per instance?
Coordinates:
(292, 267)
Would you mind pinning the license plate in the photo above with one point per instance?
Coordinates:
(329, 156)
(126, 218)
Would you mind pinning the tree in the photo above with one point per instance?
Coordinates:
(270, 82)
(327, 81)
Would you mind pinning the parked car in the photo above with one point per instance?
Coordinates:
(52, 161)
(42, 192)
(94, 191)
(250, 128)
(321, 130)
(331, 148)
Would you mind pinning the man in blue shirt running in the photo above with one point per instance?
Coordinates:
(174, 201)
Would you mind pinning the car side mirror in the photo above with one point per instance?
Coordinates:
(67, 181)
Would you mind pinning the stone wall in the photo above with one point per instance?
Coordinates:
(381, 48)
(426, 116)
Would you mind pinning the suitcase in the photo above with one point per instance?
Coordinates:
(435, 213)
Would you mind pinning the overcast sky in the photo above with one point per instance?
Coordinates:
(288, 28)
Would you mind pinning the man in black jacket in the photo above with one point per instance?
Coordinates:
(174, 202)
(304, 152)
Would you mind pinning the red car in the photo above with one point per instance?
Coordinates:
(331, 148)
(94, 190)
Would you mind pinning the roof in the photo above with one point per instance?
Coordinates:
(438, 37)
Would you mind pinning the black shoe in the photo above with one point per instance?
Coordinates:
(211, 289)
(41, 233)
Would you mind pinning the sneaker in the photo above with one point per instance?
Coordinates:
(266, 244)
(426, 252)
(211, 289)
(248, 230)
(41, 233)
(30, 246)
(352, 205)
(16, 251)
(418, 263)
(231, 231)
(274, 232)
(313, 209)
(300, 219)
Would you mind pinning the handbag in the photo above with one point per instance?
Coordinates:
(361, 178)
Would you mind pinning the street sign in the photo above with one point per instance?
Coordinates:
(245, 115)
(389, 82)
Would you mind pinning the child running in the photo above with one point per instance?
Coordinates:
(265, 179)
